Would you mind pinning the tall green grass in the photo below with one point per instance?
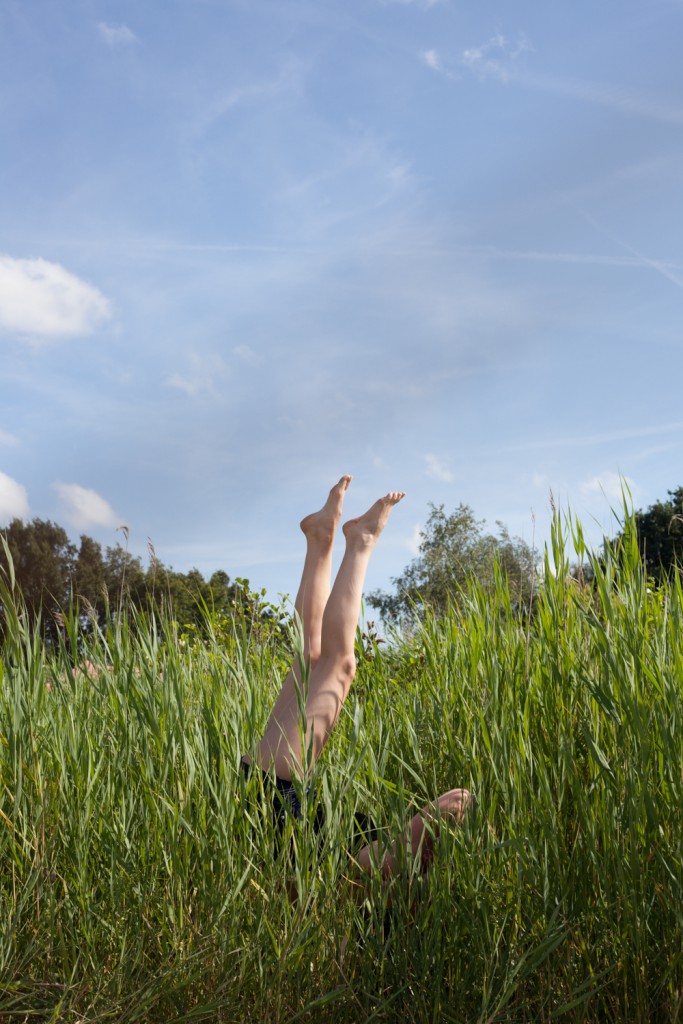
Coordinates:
(141, 880)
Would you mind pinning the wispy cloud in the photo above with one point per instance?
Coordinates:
(607, 437)
(433, 60)
(9, 440)
(659, 266)
(497, 58)
(176, 380)
(651, 172)
(618, 97)
(612, 485)
(84, 507)
(226, 102)
(116, 35)
(287, 81)
(205, 373)
(13, 500)
(414, 541)
(361, 168)
(501, 59)
(248, 355)
(39, 299)
(438, 469)
(636, 261)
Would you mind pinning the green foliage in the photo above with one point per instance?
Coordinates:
(55, 576)
(660, 534)
(43, 558)
(138, 880)
(454, 550)
(231, 609)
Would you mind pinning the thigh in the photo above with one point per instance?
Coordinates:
(327, 687)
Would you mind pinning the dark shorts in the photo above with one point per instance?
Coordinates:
(286, 801)
(284, 797)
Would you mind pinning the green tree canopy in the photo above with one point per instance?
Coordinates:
(660, 534)
(53, 575)
(88, 574)
(43, 559)
(454, 549)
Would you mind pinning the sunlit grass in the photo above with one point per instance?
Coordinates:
(140, 881)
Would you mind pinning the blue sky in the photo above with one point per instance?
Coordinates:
(246, 246)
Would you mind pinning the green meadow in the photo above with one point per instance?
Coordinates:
(141, 880)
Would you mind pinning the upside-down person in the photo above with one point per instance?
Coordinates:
(329, 617)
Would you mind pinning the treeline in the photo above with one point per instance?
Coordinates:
(455, 548)
(660, 535)
(55, 576)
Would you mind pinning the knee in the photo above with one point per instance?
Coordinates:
(455, 803)
(339, 666)
(347, 667)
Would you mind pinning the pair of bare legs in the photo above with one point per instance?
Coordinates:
(329, 616)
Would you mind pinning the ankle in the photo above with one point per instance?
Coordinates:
(320, 541)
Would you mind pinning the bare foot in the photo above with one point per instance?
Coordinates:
(321, 525)
(367, 528)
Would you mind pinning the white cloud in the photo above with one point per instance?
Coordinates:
(288, 81)
(415, 540)
(497, 57)
(205, 373)
(40, 299)
(117, 35)
(434, 61)
(83, 507)
(248, 355)
(8, 439)
(399, 175)
(431, 59)
(612, 485)
(190, 387)
(13, 500)
(437, 469)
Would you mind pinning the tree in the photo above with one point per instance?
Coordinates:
(223, 593)
(54, 577)
(454, 550)
(44, 559)
(660, 535)
(124, 577)
(88, 576)
(182, 596)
